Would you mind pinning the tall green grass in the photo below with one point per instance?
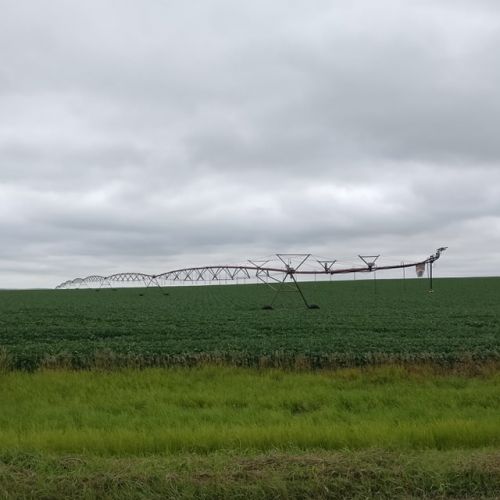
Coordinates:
(213, 408)
(374, 473)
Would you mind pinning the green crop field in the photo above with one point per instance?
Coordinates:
(356, 325)
(386, 391)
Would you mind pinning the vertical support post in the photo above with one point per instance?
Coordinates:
(300, 291)
(278, 290)
(154, 281)
(430, 277)
(286, 259)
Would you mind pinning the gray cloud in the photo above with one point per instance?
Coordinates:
(155, 135)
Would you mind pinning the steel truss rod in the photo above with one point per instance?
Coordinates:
(291, 269)
(255, 269)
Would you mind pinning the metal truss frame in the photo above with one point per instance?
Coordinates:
(290, 269)
(280, 279)
(326, 264)
(369, 260)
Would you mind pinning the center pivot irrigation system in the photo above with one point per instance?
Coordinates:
(280, 276)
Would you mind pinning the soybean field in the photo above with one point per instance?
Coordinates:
(358, 323)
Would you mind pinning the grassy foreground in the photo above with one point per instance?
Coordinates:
(344, 474)
(212, 408)
(222, 432)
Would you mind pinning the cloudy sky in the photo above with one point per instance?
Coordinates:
(147, 135)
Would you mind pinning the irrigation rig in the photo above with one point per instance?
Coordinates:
(279, 273)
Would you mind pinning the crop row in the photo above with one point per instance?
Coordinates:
(356, 324)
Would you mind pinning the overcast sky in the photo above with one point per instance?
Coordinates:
(147, 135)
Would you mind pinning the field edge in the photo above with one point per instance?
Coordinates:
(106, 359)
(352, 474)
